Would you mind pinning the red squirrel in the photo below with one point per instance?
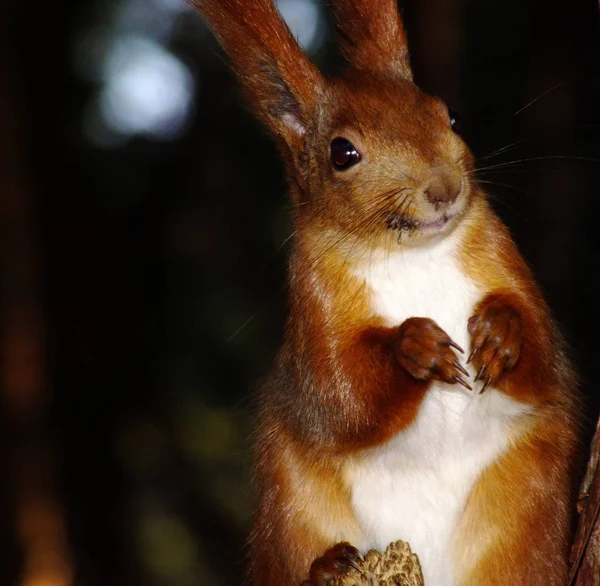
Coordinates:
(421, 392)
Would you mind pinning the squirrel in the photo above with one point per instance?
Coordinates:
(422, 392)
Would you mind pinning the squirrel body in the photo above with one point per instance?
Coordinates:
(421, 393)
(480, 485)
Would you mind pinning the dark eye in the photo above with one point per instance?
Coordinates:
(455, 122)
(343, 154)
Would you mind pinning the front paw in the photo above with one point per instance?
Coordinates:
(496, 337)
(426, 352)
(336, 562)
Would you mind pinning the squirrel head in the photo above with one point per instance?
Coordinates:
(368, 154)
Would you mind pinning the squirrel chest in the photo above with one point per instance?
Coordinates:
(416, 486)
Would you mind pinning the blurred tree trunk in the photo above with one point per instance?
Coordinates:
(40, 528)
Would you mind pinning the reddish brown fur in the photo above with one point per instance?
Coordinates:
(343, 380)
(370, 39)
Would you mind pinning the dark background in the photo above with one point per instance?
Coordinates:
(143, 217)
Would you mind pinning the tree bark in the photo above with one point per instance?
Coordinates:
(585, 554)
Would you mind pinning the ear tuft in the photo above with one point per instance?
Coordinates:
(372, 37)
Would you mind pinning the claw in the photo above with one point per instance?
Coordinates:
(486, 384)
(479, 374)
(460, 368)
(472, 355)
(346, 563)
(454, 345)
(352, 557)
(462, 382)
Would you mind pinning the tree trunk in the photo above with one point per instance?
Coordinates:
(585, 555)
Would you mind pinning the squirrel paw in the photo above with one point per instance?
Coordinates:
(336, 561)
(426, 352)
(495, 340)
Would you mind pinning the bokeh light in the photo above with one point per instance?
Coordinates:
(148, 90)
(306, 21)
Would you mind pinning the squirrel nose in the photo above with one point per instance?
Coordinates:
(442, 190)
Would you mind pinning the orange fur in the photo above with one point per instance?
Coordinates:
(298, 492)
(517, 523)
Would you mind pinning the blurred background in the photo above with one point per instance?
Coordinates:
(143, 221)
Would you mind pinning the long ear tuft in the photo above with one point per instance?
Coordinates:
(282, 83)
(372, 36)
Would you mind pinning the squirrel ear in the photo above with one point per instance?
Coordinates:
(282, 84)
(372, 37)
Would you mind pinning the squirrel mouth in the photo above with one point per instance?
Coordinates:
(407, 224)
(401, 223)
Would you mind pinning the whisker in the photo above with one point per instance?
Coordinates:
(526, 192)
(381, 229)
(375, 220)
(278, 249)
(543, 94)
(522, 169)
(509, 207)
(367, 225)
(503, 149)
(543, 158)
(253, 316)
(372, 216)
(513, 187)
(366, 201)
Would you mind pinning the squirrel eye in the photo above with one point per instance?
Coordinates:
(343, 154)
(455, 122)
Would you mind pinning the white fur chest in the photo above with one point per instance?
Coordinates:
(415, 487)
